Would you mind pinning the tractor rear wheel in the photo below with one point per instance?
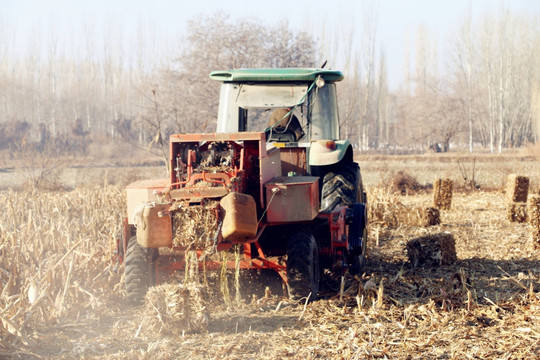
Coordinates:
(302, 266)
(138, 270)
(341, 187)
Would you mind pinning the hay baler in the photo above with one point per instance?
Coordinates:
(285, 193)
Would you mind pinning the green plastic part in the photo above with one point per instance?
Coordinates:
(271, 75)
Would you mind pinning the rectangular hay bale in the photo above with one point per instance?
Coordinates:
(533, 209)
(442, 193)
(535, 238)
(418, 216)
(431, 216)
(397, 214)
(432, 250)
(517, 188)
(517, 212)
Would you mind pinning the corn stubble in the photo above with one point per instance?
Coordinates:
(61, 296)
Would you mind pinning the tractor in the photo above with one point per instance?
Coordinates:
(275, 182)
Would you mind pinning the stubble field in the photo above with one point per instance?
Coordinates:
(62, 296)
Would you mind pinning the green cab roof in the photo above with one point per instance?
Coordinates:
(278, 74)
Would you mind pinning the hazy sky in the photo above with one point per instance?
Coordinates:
(398, 19)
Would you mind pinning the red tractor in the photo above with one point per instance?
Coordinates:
(275, 181)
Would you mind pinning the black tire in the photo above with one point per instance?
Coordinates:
(344, 187)
(341, 187)
(139, 273)
(303, 274)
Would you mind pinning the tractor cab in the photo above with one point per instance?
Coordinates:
(295, 108)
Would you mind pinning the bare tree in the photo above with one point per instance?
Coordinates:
(190, 97)
(464, 64)
(369, 34)
(381, 106)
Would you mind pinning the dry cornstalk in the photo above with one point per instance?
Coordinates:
(195, 226)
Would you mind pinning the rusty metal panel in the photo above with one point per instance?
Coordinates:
(270, 167)
(198, 193)
(292, 198)
(293, 160)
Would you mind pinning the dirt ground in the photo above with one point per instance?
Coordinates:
(486, 305)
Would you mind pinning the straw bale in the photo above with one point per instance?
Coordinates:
(517, 188)
(535, 238)
(432, 250)
(442, 193)
(431, 216)
(517, 212)
(396, 214)
(195, 226)
(533, 209)
(418, 216)
(385, 213)
(178, 308)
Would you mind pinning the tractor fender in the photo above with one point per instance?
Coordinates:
(329, 152)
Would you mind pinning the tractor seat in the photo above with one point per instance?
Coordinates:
(280, 135)
(283, 127)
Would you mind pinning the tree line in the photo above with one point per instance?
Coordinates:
(486, 95)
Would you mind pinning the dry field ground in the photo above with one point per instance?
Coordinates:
(61, 293)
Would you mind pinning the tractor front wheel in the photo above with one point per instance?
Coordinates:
(302, 266)
(138, 270)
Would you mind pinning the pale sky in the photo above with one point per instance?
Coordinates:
(398, 20)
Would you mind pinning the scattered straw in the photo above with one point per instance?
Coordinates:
(195, 226)
(177, 308)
